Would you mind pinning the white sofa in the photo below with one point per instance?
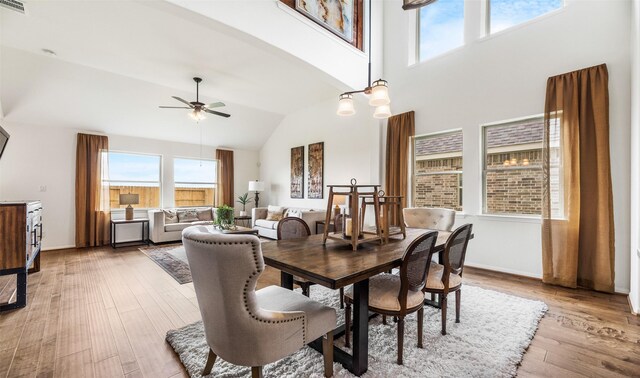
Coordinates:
(269, 229)
(162, 230)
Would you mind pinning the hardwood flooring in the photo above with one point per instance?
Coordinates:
(104, 313)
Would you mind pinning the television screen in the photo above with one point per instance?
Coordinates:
(4, 138)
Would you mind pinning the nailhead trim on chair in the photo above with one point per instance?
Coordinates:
(246, 287)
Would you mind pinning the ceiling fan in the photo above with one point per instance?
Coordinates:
(198, 108)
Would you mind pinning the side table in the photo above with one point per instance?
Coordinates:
(144, 236)
(320, 227)
(243, 221)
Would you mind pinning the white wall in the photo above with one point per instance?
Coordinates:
(45, 156)
(350, 151)
(635, 157)
(279, 26)
(503, 77)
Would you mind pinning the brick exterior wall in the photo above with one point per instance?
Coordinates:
(438, 189)
(514, 189)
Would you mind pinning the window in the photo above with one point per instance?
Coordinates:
(195, 182)
(135, 174)
(440, 28)
(507, 13)
(437, 170)
(512, 171)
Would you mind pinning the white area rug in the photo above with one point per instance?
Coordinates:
(494, 332)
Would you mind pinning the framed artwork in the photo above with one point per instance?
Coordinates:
(316, 171)
(341, 17)
(297, 172)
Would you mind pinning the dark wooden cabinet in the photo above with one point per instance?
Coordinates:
(20, 244)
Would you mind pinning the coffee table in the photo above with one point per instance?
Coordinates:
(238, 230)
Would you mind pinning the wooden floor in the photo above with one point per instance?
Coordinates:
(105, 313)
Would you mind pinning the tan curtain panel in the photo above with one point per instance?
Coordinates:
(577, 225)
(225, 185)
(92, 197)
(400, 129)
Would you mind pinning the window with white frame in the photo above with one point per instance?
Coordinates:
(437, 170)
(133, 173)
(504, 14)
(440, 28)
(512, 168)
(196, 182)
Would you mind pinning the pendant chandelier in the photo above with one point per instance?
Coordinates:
(378, 92)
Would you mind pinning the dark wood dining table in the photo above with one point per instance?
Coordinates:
(336, 265)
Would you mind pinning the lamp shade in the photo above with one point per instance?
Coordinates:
(379, 93)
(129, 199)
(382, 111)
(256, 186)
(345, 105)
(339, 200)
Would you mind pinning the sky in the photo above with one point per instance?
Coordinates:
(442, 23)
(136, 167)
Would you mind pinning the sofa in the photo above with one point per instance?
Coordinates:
(166, 225)
(269, 229)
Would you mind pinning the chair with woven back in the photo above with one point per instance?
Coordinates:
(400, 295)
(295, 228)
(446, 278)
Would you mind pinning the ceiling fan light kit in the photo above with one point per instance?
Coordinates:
(378, 92)
(197, 108)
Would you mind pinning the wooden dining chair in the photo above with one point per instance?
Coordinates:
(295, 228)
(400, 295)
(447, 278)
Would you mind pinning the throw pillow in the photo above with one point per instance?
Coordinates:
(274, 213)
(205, 215)
(296, 213)
(185, 216)
(170, 216)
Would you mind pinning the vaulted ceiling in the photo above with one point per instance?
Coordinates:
(116, 61)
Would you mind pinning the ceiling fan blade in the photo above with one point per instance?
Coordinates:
(183, 101)
(225, 115)
(173, 107)
(215, 105)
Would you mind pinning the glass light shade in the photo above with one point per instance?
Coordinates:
(345, 105)
(379, 93)
(382, 111)
(256, 186)
(197, 115)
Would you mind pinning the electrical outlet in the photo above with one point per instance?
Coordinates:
(43, 188)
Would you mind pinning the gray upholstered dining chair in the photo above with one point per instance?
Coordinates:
(447, 278)
(429, 218)
(400, 295)
(244, 326)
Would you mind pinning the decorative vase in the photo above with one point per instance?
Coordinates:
(243, 213)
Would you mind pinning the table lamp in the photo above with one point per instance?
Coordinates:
(256, 186)
(129, 199)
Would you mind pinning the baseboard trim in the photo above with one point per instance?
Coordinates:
(517, 273)
(633, 310)
(57, 248)
(512, 272)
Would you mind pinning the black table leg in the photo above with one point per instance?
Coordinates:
(360, 327)
(286, 280)
(437, 303)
